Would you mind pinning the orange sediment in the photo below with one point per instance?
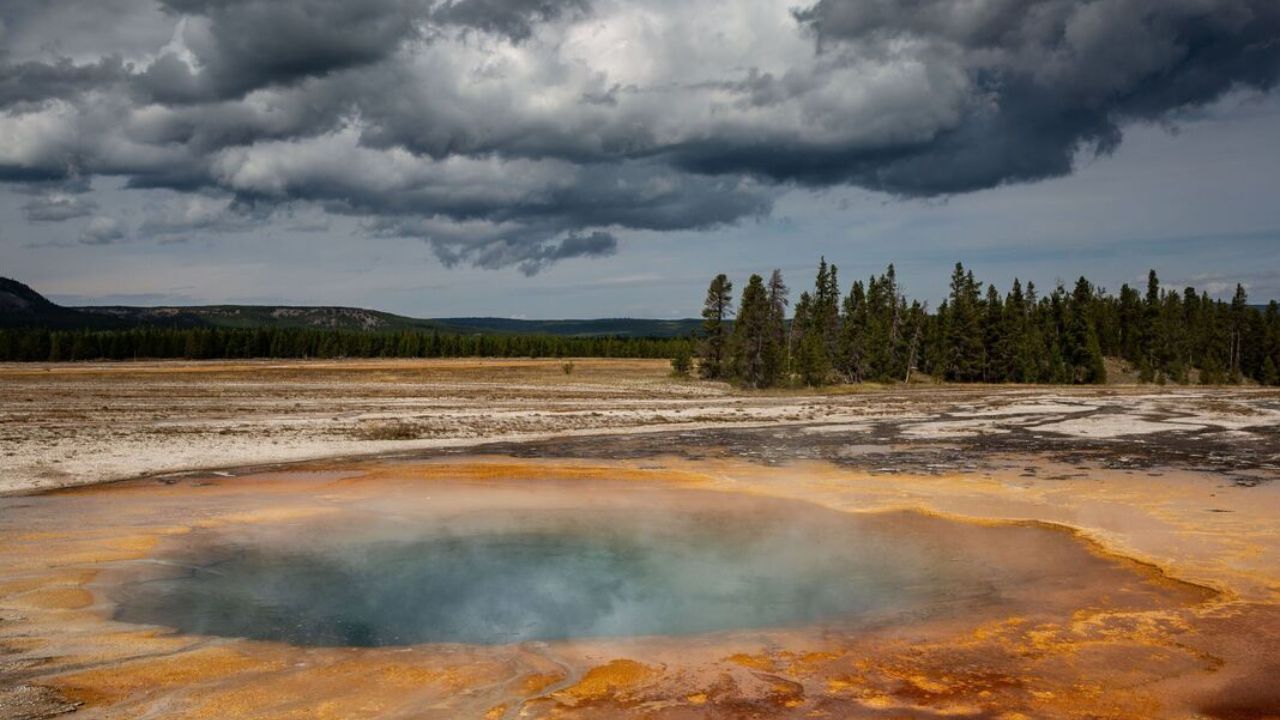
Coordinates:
(1174, 635)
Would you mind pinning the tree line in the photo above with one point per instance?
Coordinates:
(875, 333)
(204, 343)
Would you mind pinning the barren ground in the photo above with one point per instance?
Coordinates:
(71, 424)
(1176, 488)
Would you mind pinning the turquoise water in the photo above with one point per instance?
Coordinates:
(507, 575)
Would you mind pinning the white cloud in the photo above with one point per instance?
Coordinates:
(102, 230)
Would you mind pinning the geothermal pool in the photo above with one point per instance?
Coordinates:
(507, 588)
(511, 560)
(662, 565)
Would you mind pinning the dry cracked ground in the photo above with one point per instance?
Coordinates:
(1170, 493)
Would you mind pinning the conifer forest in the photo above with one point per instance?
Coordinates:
(873, 332)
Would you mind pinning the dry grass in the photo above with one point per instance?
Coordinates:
(390, 430)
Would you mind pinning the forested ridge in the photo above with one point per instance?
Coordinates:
(870, 332)
(32, 328)
(874, 332)
(39, 344)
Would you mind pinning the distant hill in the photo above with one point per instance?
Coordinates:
(615, 327)
(21, 306)
(264, 316)
(17, 298)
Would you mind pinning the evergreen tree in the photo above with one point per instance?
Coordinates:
(879, 345)
(799, 327)
(1270, 375)
(809, 352)
(1174, 338)
(751, 336)
(682, 360)
(825, 316)
(913, 333)
(1130, 320)
(853, 335)
(1013, 337)
(1239, 324)
(715, 335)
(935, 342)
(1150, 343)
(1081, 347)
(895, 365)
(1270, 342)
(1031, 351)
(964, 332)
(995, 364)
(777, 360)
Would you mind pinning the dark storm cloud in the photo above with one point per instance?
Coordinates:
(513, 18)
(532, 257)
(522, 132)
(1054, 76)
(531, 248)
(34, 82)
(487, 211)
(243, 45)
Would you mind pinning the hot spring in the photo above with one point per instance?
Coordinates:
(499, 587)
(521, 562)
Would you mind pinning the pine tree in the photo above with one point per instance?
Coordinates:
(682, 360)
(1031, 350)
(896, 364)
(1080, 347)
(879, 346)
(751, 333)
(853, 335)
(913, 329)
(1239, 319)
(1211, 370)
(825, 317)
(995, 365)
(1150, 350)
(1097, 368)
(776, 351)
(715, 311)
(936, 348)
(809, 352)
(1130, 319)
(1175, 338)
(1013, 336)
(964, 332)
(799, 327)
(884, 345)
(1271, 343)
(811, 361)
(1270, 375)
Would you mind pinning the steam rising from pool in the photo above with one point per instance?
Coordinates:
(503, 574)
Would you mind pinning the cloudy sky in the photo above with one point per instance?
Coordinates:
(580, 158)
